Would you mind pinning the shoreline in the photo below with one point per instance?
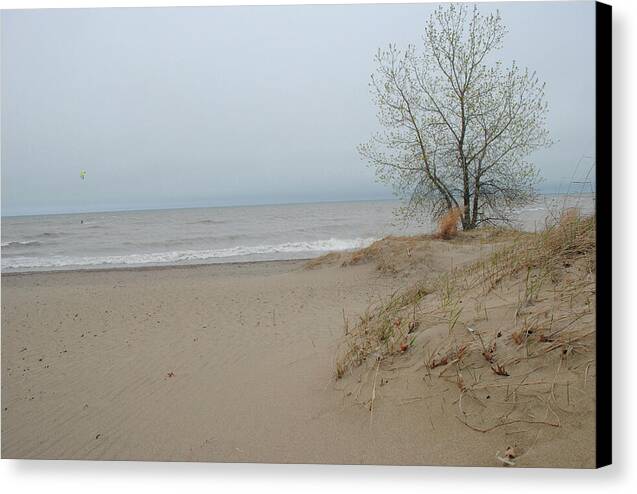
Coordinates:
(158, 267)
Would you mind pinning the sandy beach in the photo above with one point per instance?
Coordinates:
(236, 362)
(231, 235)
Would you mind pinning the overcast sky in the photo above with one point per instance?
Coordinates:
(173, 107)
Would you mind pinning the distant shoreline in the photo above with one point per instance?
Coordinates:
(251, 205)
(156, 209)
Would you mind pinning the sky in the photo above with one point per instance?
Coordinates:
(216, 106)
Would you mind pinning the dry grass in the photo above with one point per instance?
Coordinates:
(323, 260)
(390, 254)
(544, 255)
(400, 255)
(381, 332)
(503, 337)
(488, 326)
(448, 224)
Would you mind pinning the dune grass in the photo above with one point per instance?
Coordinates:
(532, 265)
(513, 333)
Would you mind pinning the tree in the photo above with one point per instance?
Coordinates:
(457, 125)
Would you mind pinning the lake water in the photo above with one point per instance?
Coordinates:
(213, 235)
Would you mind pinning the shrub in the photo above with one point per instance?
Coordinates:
(448, 224)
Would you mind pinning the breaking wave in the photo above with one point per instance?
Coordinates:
(261, 252)
(20, 244)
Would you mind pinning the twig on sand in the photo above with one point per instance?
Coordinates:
(414, 399)
(537, 435)
(517, 421)
(586, 371)
(345, 323)
(371, 405)
(504, 459)
(521, 383)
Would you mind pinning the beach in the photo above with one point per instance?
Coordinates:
(236, 363)
(233, 235)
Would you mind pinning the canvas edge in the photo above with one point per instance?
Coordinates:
(603, 211)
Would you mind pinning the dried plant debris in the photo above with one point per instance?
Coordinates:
(513, 332)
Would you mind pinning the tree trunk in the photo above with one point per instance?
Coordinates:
(476, 197)
(466, 217)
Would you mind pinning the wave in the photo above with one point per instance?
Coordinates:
(207, 222)
(21, 244)
(185, 256)
(190, 240)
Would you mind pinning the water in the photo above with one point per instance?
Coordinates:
(213, 235)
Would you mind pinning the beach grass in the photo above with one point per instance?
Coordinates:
(513, 331)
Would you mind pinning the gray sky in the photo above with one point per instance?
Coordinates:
(172, 107)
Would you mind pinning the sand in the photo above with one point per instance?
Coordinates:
(236, 363)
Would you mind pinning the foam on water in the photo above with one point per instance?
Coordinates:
(186, 256)
(20, 243)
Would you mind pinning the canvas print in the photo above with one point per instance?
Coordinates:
(343, 234)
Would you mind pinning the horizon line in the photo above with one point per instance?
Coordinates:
(163, 208)
(240, 205)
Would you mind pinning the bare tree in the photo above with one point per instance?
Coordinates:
(457, 124)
